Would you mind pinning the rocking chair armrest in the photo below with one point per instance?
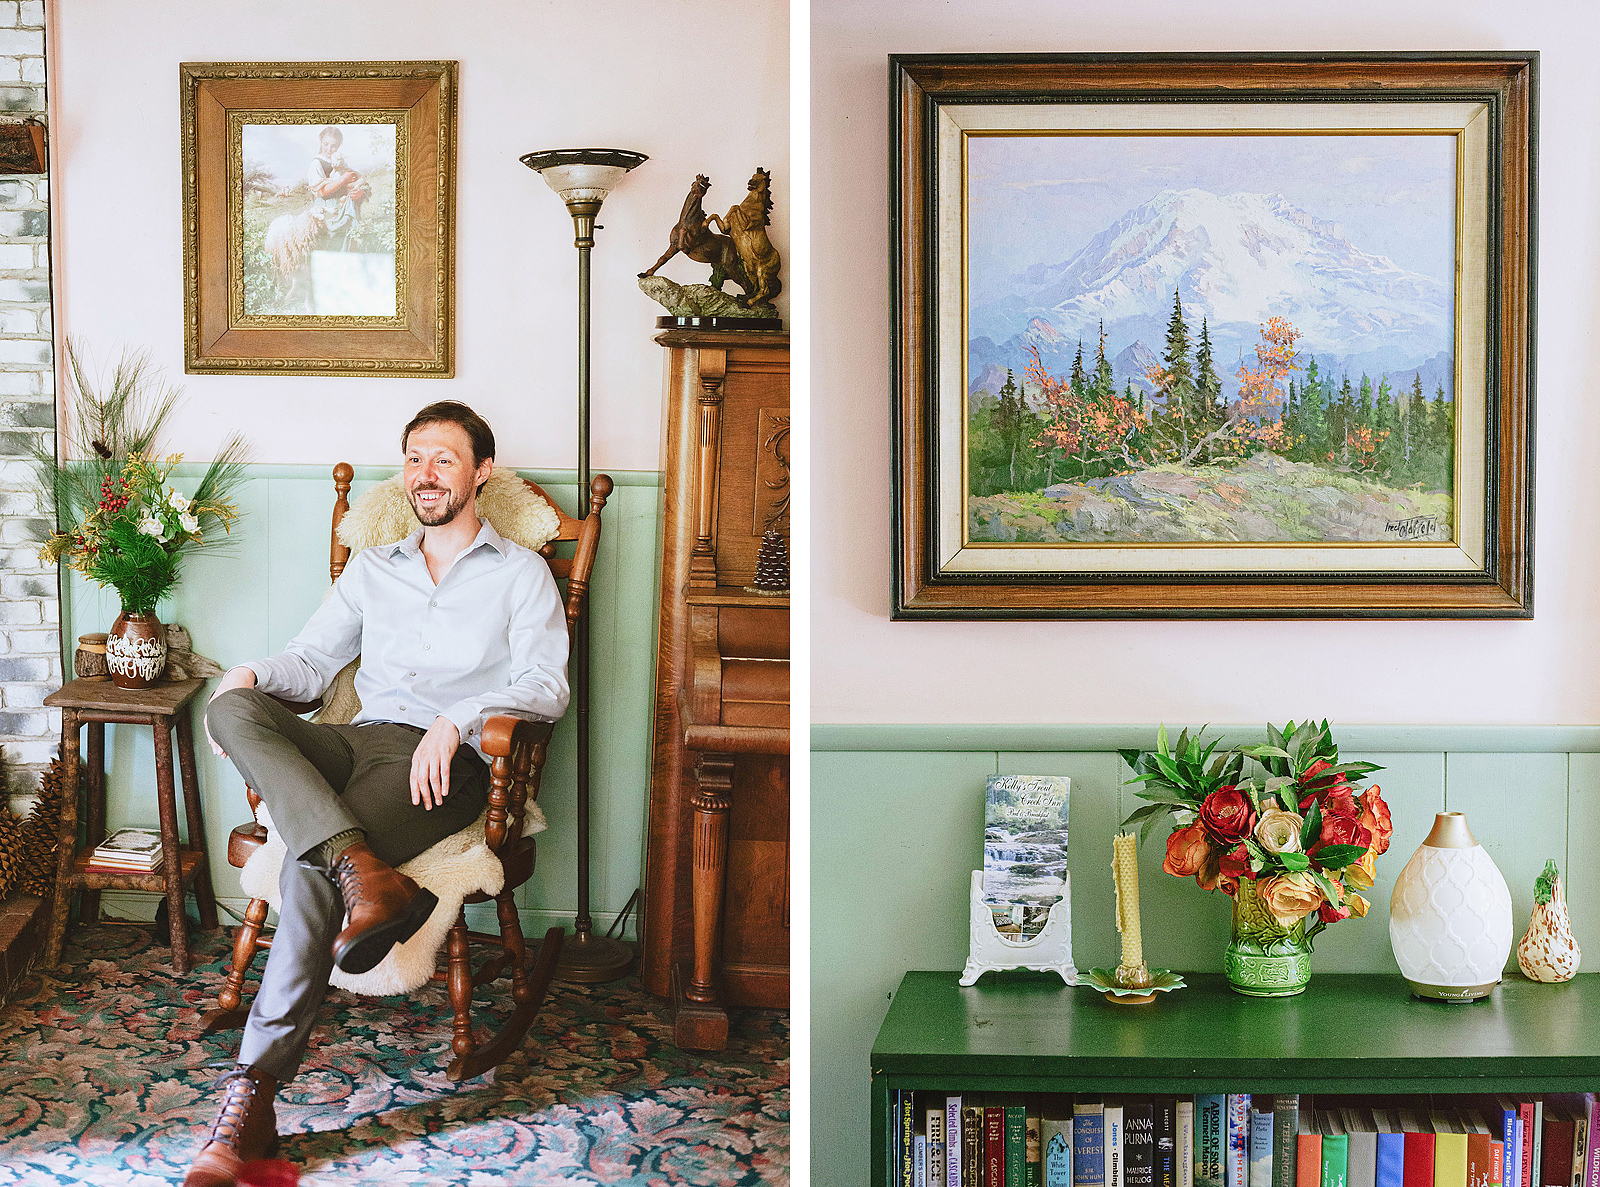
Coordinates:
(503, 734)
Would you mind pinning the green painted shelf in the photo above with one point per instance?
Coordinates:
(1348, 1033)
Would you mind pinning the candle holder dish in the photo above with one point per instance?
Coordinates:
(1105, 981)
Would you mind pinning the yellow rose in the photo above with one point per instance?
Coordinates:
(1361, 874)
(1358, 905)
(1278, 831)
(1290, 897)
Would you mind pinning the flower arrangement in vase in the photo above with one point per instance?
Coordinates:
(119, 522)
(1292, 846)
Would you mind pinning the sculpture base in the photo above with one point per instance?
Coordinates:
(719, 323)
(1451, 993)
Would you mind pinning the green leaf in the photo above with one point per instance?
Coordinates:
(1312, 829)
(1144, 833)
(1161, 738)
(1255, 850)
(1170, 769)
(1131, 758)
(1264, 751)
(1544, 886)
(1148, 812)
(1328, 888)
(1336, 857)
(1294, 862)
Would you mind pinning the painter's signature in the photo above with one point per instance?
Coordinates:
(1418, 527)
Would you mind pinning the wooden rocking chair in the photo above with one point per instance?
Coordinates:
(517, 749)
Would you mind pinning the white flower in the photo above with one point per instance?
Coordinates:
(189, 522)
(151, 526)
(178, 503)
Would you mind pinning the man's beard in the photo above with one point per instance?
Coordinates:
(442, 512)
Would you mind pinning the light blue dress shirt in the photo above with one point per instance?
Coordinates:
(490, 638)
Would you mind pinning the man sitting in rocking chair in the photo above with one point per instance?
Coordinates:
(453, 625)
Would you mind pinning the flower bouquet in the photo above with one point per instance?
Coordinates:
(1293, 846)
(119, 522)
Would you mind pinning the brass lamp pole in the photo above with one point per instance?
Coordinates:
(583, 177)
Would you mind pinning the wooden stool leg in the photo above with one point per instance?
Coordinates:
(204, 893)
(66, 838)
(701, 1023)
(460, 980)
(229, 1013)
(95, 810)
(172, 865)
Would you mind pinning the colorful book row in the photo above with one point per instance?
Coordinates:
(1236, 1140)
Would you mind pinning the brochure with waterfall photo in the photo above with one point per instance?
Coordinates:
(1024, 849)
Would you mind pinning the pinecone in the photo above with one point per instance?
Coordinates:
(772, 566)
(37, 834)
(10, 850)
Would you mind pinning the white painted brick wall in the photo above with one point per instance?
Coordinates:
(30, 644)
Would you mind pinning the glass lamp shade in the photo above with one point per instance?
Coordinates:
(583, 174)
(1450, 916)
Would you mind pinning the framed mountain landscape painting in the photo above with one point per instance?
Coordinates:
(1213, 336)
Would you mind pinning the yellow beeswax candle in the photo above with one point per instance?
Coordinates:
(1125, 872)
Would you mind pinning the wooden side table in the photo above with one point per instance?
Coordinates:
(164, 708)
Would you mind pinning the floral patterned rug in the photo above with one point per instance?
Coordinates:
(104, 1079)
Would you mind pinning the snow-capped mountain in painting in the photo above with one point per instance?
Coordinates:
(1235, 260)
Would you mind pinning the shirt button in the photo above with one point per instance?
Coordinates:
(433, 603)
(427, 647)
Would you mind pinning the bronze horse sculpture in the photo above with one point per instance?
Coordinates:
(693, 237)
(746, 224)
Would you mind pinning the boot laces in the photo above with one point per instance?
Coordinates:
(235, 1108)
(348, 880)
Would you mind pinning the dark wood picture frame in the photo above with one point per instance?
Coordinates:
(419, 340)
(921, 84)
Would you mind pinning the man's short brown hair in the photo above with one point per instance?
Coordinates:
(453, 412)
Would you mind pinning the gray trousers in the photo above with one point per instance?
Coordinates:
(318, 781)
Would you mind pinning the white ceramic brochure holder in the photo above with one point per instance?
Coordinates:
(1048, 952)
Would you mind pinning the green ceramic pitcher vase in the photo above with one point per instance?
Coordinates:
(1264, 958)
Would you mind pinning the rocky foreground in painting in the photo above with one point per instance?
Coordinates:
(1265, 499)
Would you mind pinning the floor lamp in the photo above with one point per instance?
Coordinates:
(582, 177)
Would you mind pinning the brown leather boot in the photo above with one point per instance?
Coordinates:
(245, 1129)
(385, 908)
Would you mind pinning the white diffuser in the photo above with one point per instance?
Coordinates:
(1450, 916)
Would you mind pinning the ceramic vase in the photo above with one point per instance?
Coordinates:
(1450, 916)
(136, 650)
(1264, 958)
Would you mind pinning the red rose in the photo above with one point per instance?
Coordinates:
(1341, 801)
(1314, 780)
(1332, 914)
(1187, 850)
(1341, 830)
(1235, 864)
(1227, 816)
(1375, 818)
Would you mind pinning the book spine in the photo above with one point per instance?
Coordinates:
(919, 1161)
(1016, 1146)
(1138, 1145)
(1591, 1154)
(1449, 1159)
(1236, 1152)
(1185, 1143)
(1477, 1160)
(1308, 1159)
(1335, 1159)
(1580, 1143)
(1520, 1155)
(1166, 1127)
(1391, 1160)
(994, 1146)
(1557, 1171)
(1088, 1146)
(1508, 1139)
(1260, 1148)
(1285, 1119)
(1209, 1128)
(1114, 1140)
(952, 1141)
(1033, 1148)
(971, 1146)
(1537, 1142)
(1058, 1135)
(935, 1131)
(1419, 1159)
(907, 1126)
(1497, 1163)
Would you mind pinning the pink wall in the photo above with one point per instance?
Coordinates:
(868, 669)
(700, 87)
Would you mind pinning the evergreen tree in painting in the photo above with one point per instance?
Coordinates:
(1176, 383)
(1208, 387)
(1104, 385)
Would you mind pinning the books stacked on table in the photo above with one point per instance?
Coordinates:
(1239, 1140)
(127, 851)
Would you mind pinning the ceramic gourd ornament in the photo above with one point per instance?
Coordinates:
(1548, 951)
(1450, 916)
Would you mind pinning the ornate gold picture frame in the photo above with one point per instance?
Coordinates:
(319, 218)
(1213, 335)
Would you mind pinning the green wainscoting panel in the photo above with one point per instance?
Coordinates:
(893, 841)
(1516, 805)
(896, 823)
(1581, 870)
(249, 600)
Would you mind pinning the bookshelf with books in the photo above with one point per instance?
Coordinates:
(1352, 1084)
